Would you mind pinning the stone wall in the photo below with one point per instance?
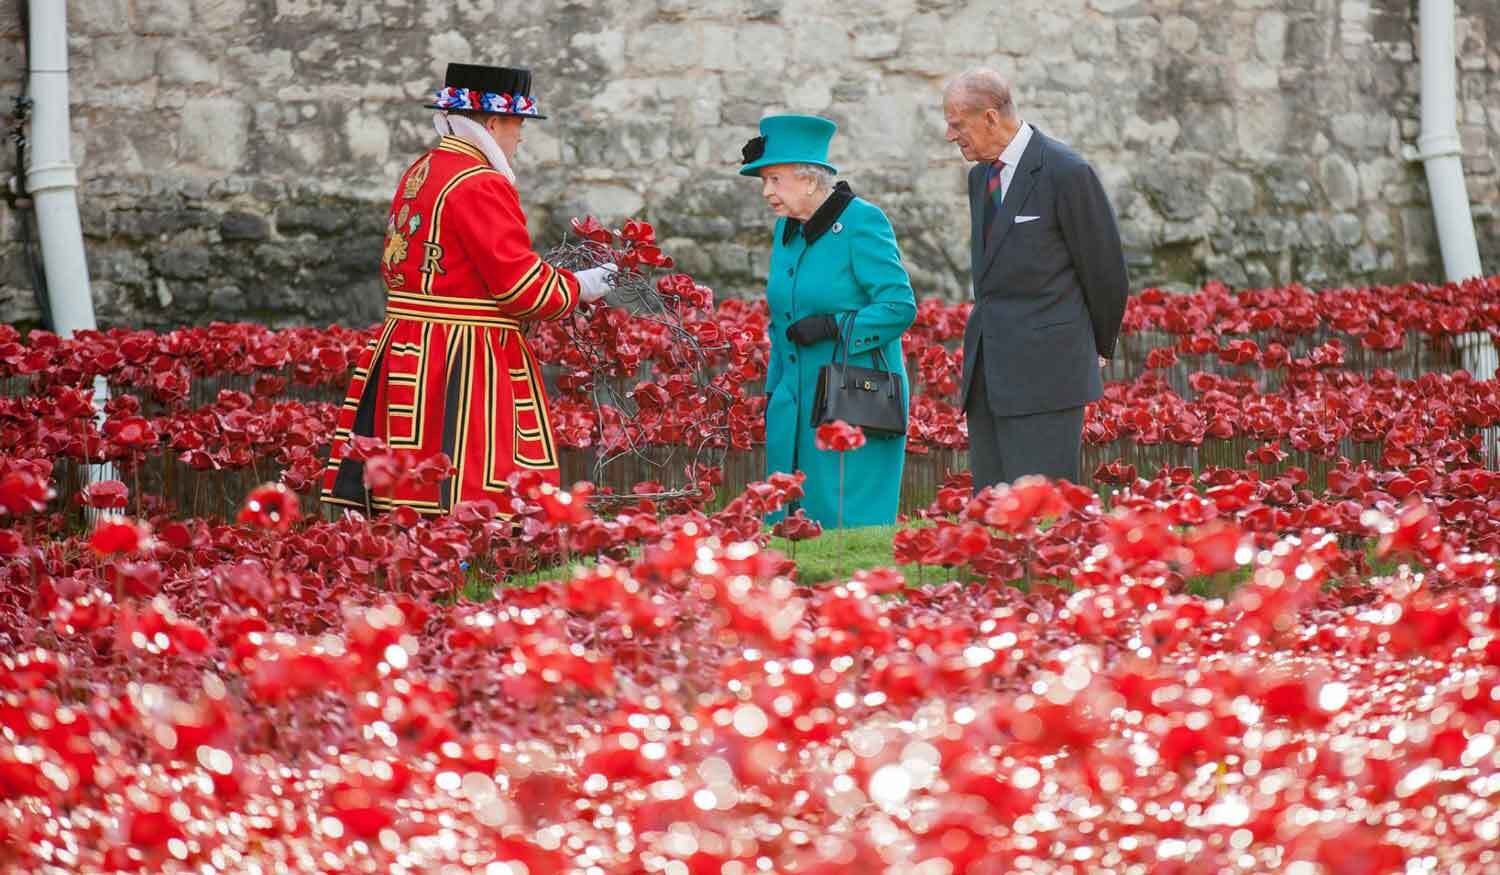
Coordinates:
(237, 155)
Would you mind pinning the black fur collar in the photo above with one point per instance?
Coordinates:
(822, 219)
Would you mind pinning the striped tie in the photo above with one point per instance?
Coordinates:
(992, 185)
(995, 170)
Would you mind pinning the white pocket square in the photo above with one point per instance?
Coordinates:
(1020, 219)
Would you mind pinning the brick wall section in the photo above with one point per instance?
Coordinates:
(237, 155)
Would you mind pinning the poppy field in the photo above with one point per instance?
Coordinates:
(1264, 638)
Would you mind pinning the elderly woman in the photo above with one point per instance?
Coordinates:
(835, 271)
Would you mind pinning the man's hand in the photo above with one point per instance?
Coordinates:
(594, 283)
(811, 329)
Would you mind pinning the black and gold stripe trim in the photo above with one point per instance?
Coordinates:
(541, 300)
(458, 401)
(434, 229)
(524, 283)
(482, 305)
(414, 437)
(478, 312)
(491, 402)
(474, 321)
(426, 508)
(549, 453)
(463, 147)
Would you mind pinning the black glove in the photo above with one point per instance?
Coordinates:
(811, 329)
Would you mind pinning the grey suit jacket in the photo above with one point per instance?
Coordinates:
(1049, 292)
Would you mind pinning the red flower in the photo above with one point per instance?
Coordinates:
(1115, 472)
(23, 491)
(119, 535)
(133, 432)
(383, 471)
(639, 233)
(564, 508)
(650, 254)
(879, 581)
(332, 359)
(589, 229)
(839, 436)
(362, 447)
(1266, 454)
(431, 470)
(1414, 532)
(270, 506)
(1161, 357)
(1214, 547)
(1016, 506)
(106, 495)
(909, 546)
(797, 526)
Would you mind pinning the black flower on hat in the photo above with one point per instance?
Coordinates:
(753, 150)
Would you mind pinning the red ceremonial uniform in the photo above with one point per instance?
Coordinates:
(450, 371)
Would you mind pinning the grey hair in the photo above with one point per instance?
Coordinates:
(821, 176)
(982, 88)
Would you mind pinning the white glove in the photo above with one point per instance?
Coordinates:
(594, 283)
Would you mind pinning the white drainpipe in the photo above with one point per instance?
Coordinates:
(52, 180)
(1438, 147)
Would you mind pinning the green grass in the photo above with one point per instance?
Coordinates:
(1217, 586)
(819, 560)
(480, 582)
(823, 558)
(835, 556)
(480, 585)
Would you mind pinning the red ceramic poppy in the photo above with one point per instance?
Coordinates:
(270, 506)
(839, 436)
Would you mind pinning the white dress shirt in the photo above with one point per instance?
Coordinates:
(1012, 156)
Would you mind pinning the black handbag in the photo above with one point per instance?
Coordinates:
(871, 398)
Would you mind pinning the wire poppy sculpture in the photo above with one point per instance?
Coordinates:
(643, 372)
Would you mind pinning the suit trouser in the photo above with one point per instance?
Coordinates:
(1004, 448)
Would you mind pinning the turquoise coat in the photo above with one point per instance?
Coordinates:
(843, 260)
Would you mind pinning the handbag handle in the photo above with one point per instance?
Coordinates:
(844, 322)
(844, 336)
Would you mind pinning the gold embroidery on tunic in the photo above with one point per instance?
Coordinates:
(417, 177)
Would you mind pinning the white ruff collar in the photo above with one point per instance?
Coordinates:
(474, 132)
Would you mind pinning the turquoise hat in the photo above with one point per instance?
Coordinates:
(789, 139)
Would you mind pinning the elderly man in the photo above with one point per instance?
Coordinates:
(450, 371)
(1049, 287)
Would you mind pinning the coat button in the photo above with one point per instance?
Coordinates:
(791, 357)
(790, 271)
(787, 314)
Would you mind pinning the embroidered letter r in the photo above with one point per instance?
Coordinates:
(431, 255)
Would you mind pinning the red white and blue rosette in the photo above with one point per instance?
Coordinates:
(484, 101)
